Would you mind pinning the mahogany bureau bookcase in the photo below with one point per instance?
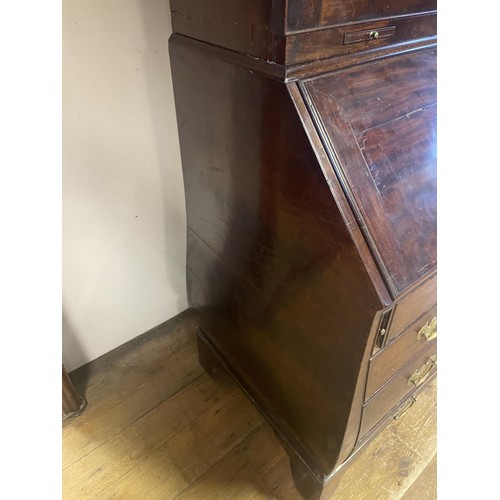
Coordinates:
(308, 142)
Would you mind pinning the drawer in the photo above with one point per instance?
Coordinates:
(368, 34)
(409, 378)
(311, 45)
(406, 346)
(412, 306)
(315, 14)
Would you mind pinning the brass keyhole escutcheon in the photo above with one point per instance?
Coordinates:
(374, 35)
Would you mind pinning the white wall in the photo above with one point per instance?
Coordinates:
(123, 197)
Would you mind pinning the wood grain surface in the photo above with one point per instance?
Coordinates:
(157, 426)
(272, 267)
(292, 32)
(380, 119)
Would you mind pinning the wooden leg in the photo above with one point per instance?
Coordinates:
(208, 360)
(306, 482)
(72, 403)
(308, 485)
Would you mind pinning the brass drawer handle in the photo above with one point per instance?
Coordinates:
(404, 408)
(429, 330)
(420, 375)
(374, 34)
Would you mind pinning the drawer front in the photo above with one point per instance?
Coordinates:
(321, 44)
(320, 13)
(412, 306)
(368, 34)
(398, 353)
(408, 379)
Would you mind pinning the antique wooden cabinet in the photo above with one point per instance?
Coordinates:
(308, 142)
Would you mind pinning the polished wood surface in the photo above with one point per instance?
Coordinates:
(354, 38)
(391, 395)
(239, 25)
(151, 402)
(392, 181)
(306, 70)
(413, 305)
(338, 194)
(307, 133)
(294, 31)
(271, 265)
(387, 362)
(307, 14)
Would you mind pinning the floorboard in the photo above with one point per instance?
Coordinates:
(158, 427)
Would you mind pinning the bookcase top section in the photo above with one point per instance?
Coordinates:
(286, 31)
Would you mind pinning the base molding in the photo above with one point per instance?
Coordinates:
(310, 484)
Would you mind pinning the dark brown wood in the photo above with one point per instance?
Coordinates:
(368, 35)
(167, 404)
(310, 195)
(308, 484)
(385, 400)
(339, 195)
(72, 403)
(310, 69)
(406, 346)
(395, 413)
(413, 305)
(239, 25)
(293, 31)
(207, 357)
(288, 242)
(321, 44)
(360, 110)
(308, 15)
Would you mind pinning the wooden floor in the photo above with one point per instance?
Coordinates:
(158, 427)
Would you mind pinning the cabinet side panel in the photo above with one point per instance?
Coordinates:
(272, 269)
(239, 25)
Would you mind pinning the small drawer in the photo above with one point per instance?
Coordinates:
(408, 379)
(343, 39)
(409, 309)
(369, 34)
(406, 346)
